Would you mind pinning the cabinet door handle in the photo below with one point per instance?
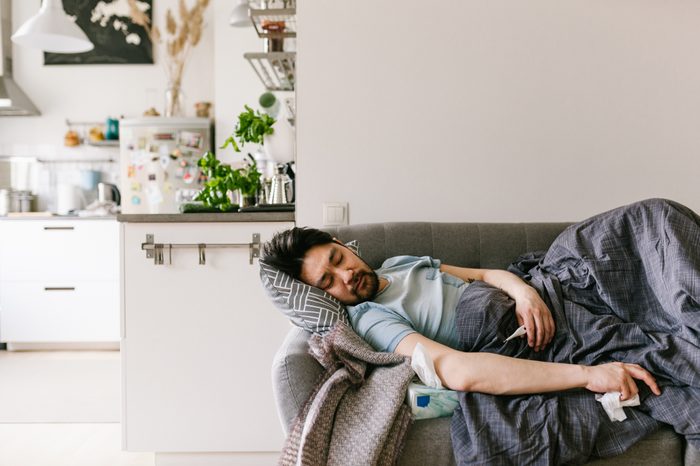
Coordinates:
(155, 250)
(59, 288)
(59, 228)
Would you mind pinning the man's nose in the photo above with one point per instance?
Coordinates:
(347, 276)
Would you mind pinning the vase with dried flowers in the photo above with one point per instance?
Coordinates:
(180, 38)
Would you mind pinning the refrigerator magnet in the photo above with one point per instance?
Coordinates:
(154, 195)
(163, 136)
(139, 157)
(191, 175)
(164, 160)
(131, 171)
(191, 139)
(135, 187)
(135, 200)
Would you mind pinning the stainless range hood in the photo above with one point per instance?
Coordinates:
(13, 102)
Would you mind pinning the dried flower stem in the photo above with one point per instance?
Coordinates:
(181, 38)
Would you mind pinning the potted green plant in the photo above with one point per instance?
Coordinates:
(252, 127)
(216, 190)
(275, 136)
(223, 181)
(247, 181)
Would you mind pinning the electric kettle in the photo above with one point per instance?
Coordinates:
(281, 190)
(108, 192)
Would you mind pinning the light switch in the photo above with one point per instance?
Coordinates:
(335, 214)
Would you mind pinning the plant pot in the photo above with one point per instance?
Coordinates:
(279, 146)
(247, 201)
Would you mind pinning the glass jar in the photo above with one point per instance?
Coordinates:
(174, 101)
(247, 201)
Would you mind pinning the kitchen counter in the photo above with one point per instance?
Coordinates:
(48, 216)
(208, 217)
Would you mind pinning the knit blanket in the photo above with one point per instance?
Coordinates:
(356, 413)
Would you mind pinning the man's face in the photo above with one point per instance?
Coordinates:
(339, 272)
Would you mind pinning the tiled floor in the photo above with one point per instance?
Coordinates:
(36, 380)
(66, 445)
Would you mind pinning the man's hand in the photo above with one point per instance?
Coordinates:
(619, 377)
(534, 314)
(530, 310)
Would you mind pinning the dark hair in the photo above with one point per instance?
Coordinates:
(286, 250)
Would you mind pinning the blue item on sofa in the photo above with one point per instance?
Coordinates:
(427, 402)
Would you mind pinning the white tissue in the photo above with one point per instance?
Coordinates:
(422, 364)
(613, 406)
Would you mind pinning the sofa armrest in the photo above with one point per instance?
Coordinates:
(294, 375)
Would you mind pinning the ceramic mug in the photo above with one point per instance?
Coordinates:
(89, 179)
(112, 129)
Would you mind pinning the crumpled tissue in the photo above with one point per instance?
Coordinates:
(428, 399)
(423, 366)
(613, 405)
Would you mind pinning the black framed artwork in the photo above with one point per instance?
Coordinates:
(108, 25)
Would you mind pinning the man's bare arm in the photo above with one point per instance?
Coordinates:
(531, 311)
(503, 375)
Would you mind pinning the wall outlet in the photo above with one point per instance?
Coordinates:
(335, 214)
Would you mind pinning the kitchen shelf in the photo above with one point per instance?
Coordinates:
(263, 16)
(82, 128)
(104, 143)
(276, 70)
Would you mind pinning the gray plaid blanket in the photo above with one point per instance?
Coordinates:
(622, 286)
(356, 414)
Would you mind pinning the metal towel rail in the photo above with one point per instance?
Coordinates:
(156, 251)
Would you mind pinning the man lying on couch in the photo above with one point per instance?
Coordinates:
(624, 287)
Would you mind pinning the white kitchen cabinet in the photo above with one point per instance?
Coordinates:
(59, 280)
(198, 341)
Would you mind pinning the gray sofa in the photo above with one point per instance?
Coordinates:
(478, 245)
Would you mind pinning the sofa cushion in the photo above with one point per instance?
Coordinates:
(306, 306)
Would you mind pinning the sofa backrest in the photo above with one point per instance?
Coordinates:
(474, 245)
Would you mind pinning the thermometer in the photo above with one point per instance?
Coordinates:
(520, 332)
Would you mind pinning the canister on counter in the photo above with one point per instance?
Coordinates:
(21, 201)
(4, 202)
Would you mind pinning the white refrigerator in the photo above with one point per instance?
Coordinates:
(158, 162)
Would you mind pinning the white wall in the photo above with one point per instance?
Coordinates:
(215, 72)
(236, 83)
(466, 110)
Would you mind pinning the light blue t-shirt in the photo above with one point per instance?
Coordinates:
(419, 298)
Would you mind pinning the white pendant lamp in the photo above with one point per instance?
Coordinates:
(239, 15)
(51, 30)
